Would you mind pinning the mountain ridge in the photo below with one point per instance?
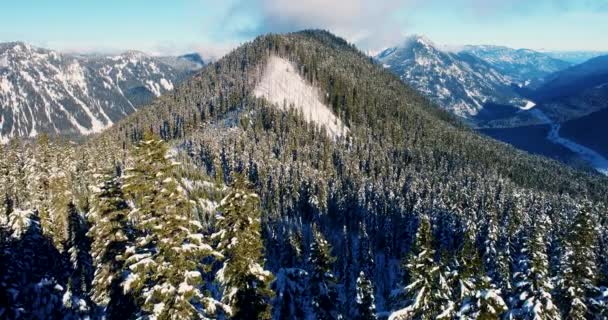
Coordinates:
(42, 90)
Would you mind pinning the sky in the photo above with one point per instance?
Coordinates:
(214, 27)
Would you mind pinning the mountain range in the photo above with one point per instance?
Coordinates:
(43, 90)
(459, 82)
(519, 96)
(296, 178)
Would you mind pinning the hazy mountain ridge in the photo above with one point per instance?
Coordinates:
(43, 90)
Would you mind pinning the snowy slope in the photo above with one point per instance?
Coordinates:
(458, 82)
(284, 87)
(46, 91)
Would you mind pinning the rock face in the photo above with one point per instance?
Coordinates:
(45, 91)
(459, 82)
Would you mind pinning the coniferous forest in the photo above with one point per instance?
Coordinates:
(211, 203)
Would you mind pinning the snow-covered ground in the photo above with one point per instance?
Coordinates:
(283, 86)
(595, 159)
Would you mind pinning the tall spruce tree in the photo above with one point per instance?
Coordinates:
(532, 287)
(323, 282)
(110, 233)
(418, 291)
(166, 258)
(366, 306)
(81, 265)
(578, 270)
(246, 285)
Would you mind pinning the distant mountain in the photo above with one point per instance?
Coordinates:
(46, 91)
(576, 91)
(523, 66)
(459, 82)
(191, 61)
(575, 57)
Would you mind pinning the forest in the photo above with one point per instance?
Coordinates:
(211, 203)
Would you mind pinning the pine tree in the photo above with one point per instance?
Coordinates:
(366, 307)
(81, 268)
(245, 283)
(165, 260)
(578, 270)
(322, 280)
(425, 278)
(532, 295)
(110, 234)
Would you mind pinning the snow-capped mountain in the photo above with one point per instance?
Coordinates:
(524, 67)
(458, 82)
(46, 91)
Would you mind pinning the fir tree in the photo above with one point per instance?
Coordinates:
(425, 278)
(366, 307)
(578, 270)
(164, 261)
(532, 295)
(110, 234)
(81, 268)
(245, 283)
(322, 280)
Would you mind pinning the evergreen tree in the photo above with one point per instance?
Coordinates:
(425, 278)
(366, 307)
(81, 266)
(532, 296)
(578, 270)
(110, 234)
(164, 261)
(246, 285)
(323, 282)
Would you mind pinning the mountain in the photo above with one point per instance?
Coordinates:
(458, 82)
(576, 91)
(574, 57)
(524, 67)
(46, 91)
(186, 62)
(578, 99)
(296, 179)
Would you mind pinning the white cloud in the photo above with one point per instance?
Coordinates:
(370, 24)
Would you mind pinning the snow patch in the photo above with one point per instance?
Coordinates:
(166, 84)
(283, 86)
(4, 62)
(529, 105)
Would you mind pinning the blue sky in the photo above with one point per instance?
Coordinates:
(212, 27)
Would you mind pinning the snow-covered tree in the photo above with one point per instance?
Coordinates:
(366, 306)
(323, 282)
(110, 236)
(532, 287)
(578, 269)
(245, 283)
(81, 268)
(165, 260)
(420, 293)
